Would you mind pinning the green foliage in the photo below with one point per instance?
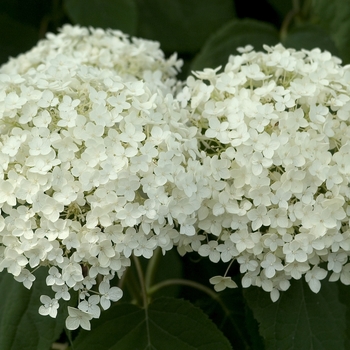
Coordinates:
(120, 14)
(309, 36)
(19, 37)
(21, 326)
(237, 33)
(168, 323)
(234, 317)
(334, 17)
(300, 319)
(282, 7)
(182, 25)
(343, 291)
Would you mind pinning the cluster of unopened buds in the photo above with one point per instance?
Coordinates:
(104, 155)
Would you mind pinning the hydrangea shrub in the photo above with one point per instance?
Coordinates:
(105, 155)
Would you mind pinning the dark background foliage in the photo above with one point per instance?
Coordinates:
(204, 33)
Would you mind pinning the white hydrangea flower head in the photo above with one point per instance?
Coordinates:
(97, 163)
(95, 47)
(274, 131)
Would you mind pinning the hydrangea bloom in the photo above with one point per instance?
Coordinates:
(104, 155)
(275, 128)
(96, 163)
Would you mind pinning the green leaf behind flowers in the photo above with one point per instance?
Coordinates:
(334, 16)
(309, 36)
(182, 25)
(281, 7)
(116, 14)
(21, 325)
(300, 319)
(236, 33)
(344, 298)
(234, 318)
(17, 37)
(168, 323)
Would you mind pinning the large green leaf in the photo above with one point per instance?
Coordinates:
(282, 7)
(236, 33)
(252, 326)
(168, 323)
(309, 36)
(115, 14)
(300, 319)
(230, 312)
(34, 13)
(344, 297)
(182, 25)
(21, 326)
(334, 16)
(16, 37)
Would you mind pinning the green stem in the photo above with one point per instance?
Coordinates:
(306, 8)
(288, 19)
(144, 294)
(286, 23)
(228, 268)
(123, 278)
(131, 283)
(152, 268)
(296, 5)
(141, 280)
(179, 281)
(69, 336)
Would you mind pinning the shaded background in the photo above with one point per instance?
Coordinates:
(203, 32)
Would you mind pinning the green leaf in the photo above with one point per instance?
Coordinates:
(115, 14)
(29, 12)
(300, 319)
(182, 25)
(253, 327)
(309, 36)
(334, 16)
(282, 7)
(21, 326)
(237, 33)
(168, 323)
(16, 37)
(230, 312)
(344, 297)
